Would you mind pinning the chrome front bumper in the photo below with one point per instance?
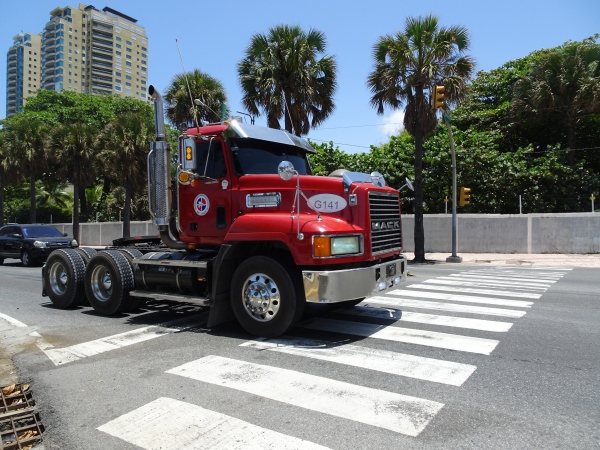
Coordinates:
(334, 286)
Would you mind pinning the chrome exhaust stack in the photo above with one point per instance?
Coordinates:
(159, 173)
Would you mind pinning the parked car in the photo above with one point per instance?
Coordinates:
(31, 243)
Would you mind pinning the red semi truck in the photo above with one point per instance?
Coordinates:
(246, 230)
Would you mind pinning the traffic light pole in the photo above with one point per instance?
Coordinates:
(454, 258)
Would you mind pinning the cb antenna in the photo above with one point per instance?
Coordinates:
(187, 81)
(287, 109)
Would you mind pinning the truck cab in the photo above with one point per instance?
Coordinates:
(246, 230)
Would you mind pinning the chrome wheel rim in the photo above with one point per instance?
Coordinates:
(59, 281)
(101, 283)
(261, 297)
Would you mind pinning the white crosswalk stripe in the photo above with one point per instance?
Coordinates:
(169, 424)
(472, 281)
(431, 319)
(504, 280)
(399, 413)
(395, 363)
(450, 307)
(406, 335)
(433, 285)
(466, 298)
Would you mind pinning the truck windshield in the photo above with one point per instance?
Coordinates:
(254, 156)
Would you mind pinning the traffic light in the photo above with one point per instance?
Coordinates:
(465, 195)
(438, 96)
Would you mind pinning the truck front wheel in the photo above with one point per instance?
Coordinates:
(266, 297)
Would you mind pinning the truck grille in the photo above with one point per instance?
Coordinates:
(386, 231)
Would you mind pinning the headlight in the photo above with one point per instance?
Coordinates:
(329, 246)
(74, 243)
(40, 244)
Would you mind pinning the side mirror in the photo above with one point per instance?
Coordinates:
(286, 170)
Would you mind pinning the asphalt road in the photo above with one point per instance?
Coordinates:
(468, 357)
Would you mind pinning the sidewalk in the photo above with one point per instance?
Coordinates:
(516, 259)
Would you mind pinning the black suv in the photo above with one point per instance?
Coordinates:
(31, 243)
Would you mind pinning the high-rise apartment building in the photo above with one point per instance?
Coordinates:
(85, 50)
(23, 70)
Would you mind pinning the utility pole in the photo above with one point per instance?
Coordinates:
(454, 257)
(438, 95)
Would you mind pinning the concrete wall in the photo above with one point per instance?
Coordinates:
(476, 233)
(103, 233)
(511, 233)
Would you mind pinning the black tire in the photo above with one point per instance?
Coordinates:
(276, 303)
(1, 261)
(86, 253)
(108, 280)
(131, 254)
(63, 278)
(26, 259)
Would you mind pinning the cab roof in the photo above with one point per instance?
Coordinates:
(235, 129)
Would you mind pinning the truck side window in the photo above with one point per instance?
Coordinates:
(215, 168)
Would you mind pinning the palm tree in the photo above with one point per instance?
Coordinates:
(283, 76)
(564, 85)
(190, 86)
(75, 146)
(126, 142)
(26, 140)
(407, 66)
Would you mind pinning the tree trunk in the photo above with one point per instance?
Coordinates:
(76, 213)
(127, 209)
(32, 204)
(83, 204)
(419, 230)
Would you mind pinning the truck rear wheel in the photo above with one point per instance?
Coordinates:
(63, 278)
(131, 254)
(86, 253)
(266, 297)
(108, 281)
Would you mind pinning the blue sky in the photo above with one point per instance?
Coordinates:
(213, 37)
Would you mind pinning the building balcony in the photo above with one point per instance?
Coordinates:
(107, 80)
(107, 51)
(101, 42)
(101, 63)
(101, 70)
(104, 86)
(12, 57)
(102, 57)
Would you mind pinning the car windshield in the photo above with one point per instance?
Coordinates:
(255, 156)
(41, 231)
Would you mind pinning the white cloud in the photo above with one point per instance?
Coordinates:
(393, 124)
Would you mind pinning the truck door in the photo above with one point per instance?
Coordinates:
(205, 205)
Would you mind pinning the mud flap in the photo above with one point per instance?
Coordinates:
(220, 306)
(43, 287)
